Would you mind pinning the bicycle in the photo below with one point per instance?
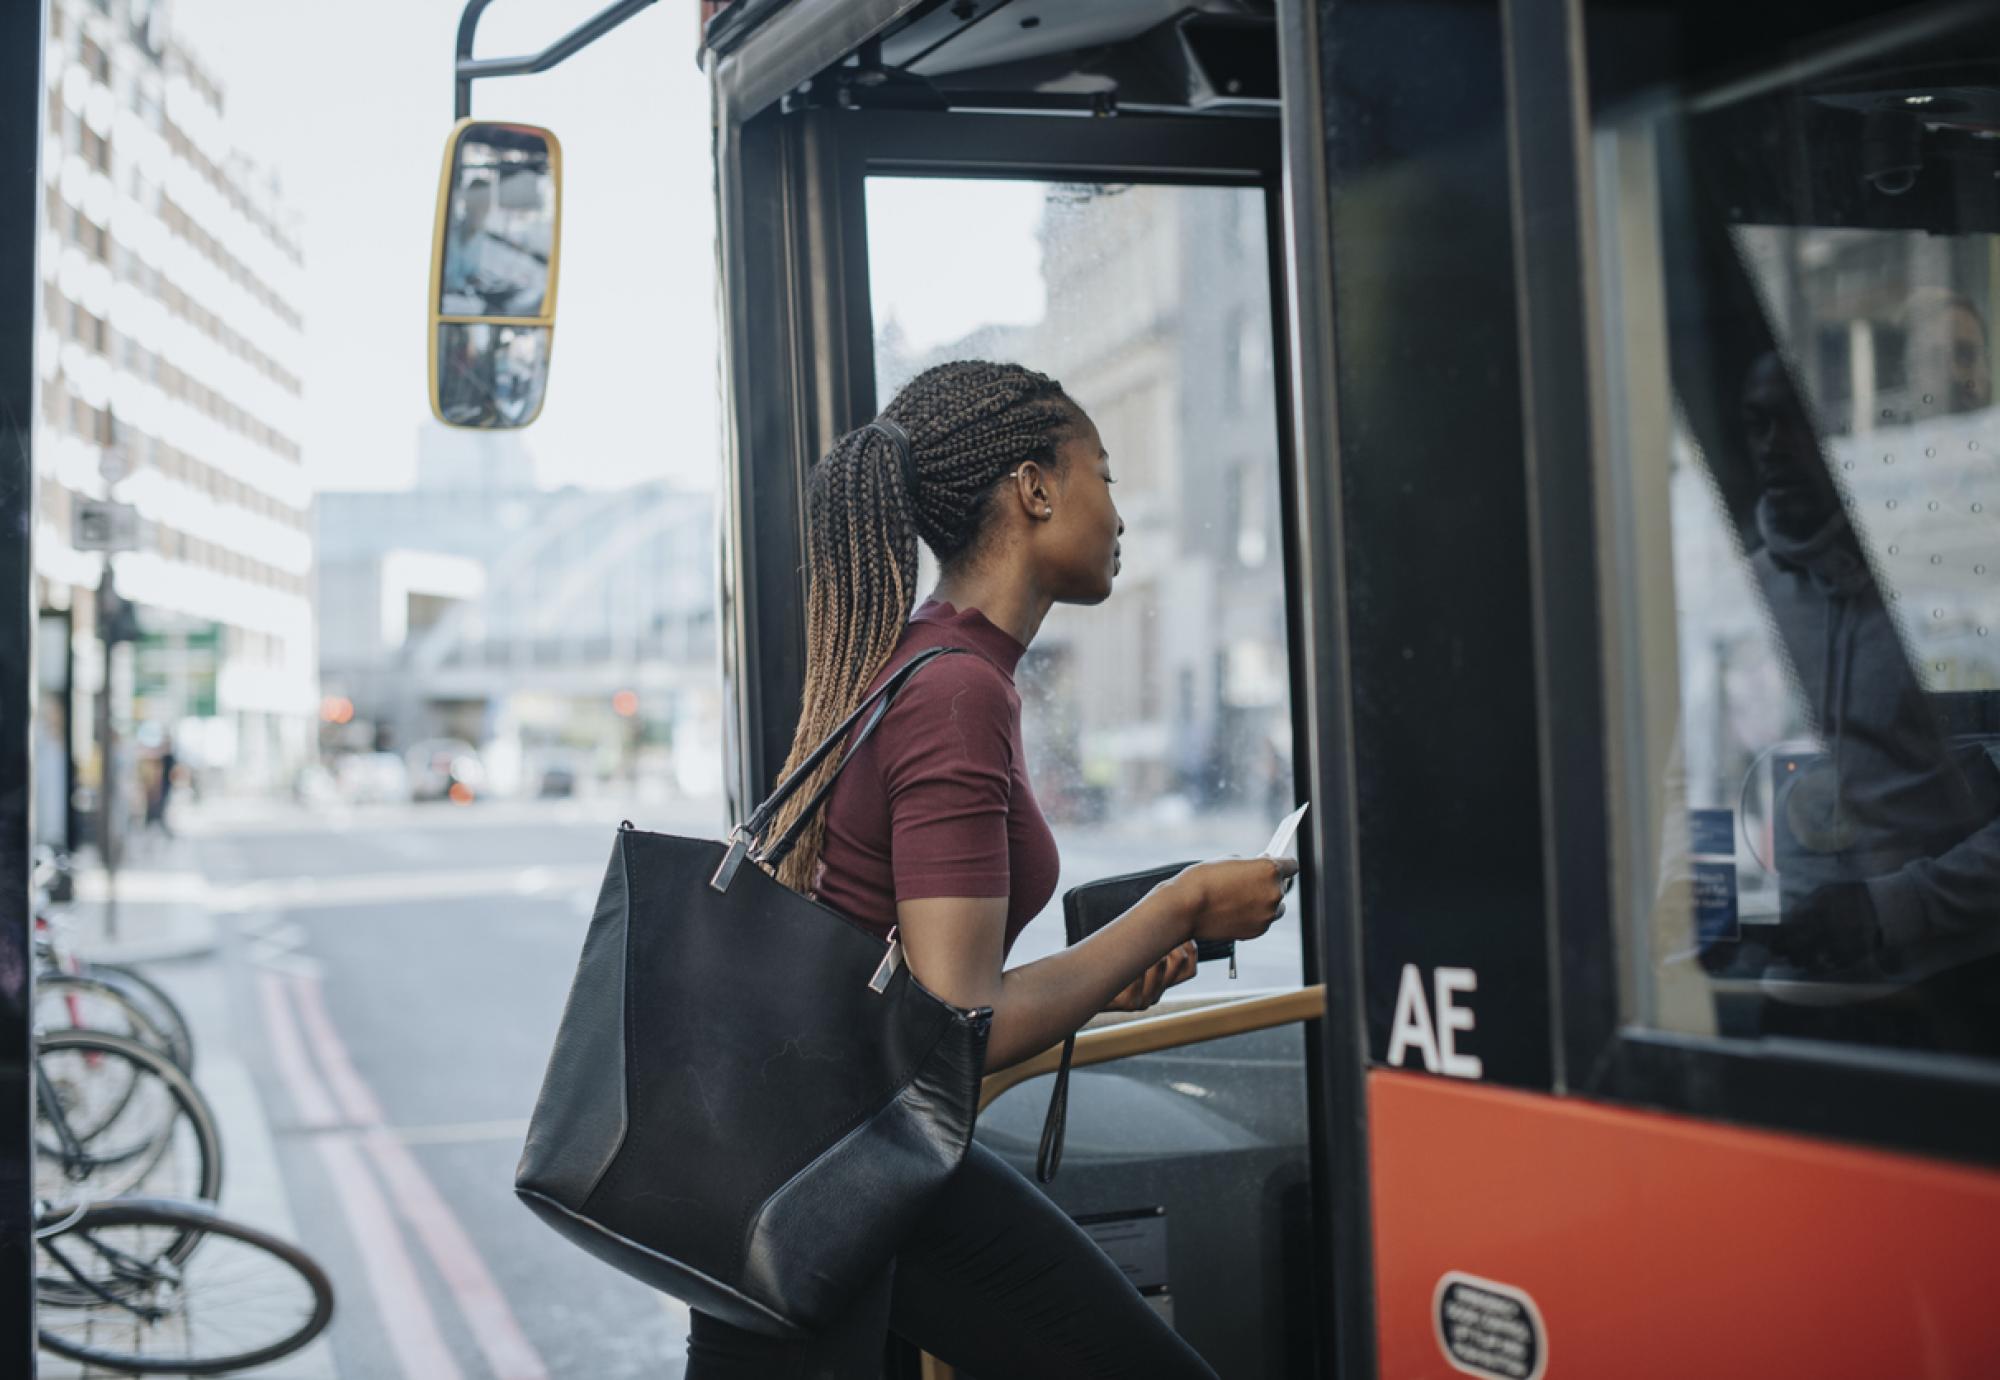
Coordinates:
(152, 1010)
(144, 1284)
(109, 1113)
(109, 1293)
(153, 1001)
(65, 1002)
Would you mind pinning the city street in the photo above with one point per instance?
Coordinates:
(1560, 439)
(395, 976)
(373, 1019)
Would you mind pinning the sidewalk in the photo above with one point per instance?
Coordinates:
(154, 910)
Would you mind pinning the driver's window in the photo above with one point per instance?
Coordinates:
(1802, 550)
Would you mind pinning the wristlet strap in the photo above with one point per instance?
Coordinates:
(1048, 1159)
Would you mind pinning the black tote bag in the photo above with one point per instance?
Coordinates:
(750, 1098)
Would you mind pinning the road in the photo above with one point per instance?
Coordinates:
(396, 974)
(405, 968)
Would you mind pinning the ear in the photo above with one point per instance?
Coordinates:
(1031, 485)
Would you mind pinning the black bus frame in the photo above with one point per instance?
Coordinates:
(1498, 92)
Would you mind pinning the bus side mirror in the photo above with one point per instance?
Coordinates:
(494, 254)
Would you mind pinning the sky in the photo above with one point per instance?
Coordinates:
(351, 103)
(978, 235)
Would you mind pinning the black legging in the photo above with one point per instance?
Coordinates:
(997, 1281)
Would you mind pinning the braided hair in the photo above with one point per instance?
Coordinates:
(969, 423)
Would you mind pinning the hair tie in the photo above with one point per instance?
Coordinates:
(905, 453)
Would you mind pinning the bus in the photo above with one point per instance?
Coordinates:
(1562, 448)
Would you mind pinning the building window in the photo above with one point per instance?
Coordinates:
(87, 329)
(1248, 495)
(1232, 376)
(88, 236)
(1149, 656)
(94, 59)
(91, 423)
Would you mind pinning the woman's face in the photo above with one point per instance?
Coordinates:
(1082, 536)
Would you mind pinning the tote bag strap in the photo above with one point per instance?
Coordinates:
(761, 817)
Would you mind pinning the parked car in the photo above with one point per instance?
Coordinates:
(372, 778)
(556, 771)
(313, 784)
(445, 769)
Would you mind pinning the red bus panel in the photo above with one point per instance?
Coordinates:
(1550, 1236)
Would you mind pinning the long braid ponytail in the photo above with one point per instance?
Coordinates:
(969, 424)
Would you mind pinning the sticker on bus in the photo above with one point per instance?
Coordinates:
(1488, 1329)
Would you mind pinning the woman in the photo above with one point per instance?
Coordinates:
(933, 829)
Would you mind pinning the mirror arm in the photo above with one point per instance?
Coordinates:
(469, 69)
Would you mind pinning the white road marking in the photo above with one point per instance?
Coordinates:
(462, 1133)
(386, 888)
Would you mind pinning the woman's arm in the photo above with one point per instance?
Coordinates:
(954, 943)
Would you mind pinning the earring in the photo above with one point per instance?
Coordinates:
(1048, 512)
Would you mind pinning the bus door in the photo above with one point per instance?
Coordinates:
(1137, 260)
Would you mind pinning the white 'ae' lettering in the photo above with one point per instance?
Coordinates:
(1436, 1041)
(1412, 1022)
(1452, 1018)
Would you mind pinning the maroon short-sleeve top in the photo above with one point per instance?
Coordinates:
(937, 801)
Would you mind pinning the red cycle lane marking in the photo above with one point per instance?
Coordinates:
(480, 1299)
(508, 1350)
(309, 1095)
(392, 1276)
(407, 1319)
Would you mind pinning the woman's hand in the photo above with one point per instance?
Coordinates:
(1235, 898)
(1177, 967)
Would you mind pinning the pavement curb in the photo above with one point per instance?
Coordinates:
(202, 943)
(182, 932)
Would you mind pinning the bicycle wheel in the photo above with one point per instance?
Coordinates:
(63, 1002)
(153, 999)
(162, 1140)
(107, 1296)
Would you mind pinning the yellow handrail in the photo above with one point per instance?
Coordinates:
(1147, 1036)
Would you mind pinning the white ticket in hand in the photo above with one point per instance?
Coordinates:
(1288, 826)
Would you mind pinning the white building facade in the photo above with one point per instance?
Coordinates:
(172, 368)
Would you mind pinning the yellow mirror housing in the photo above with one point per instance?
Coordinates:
(495, 256)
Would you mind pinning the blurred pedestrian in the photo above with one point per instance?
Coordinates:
(160, 788)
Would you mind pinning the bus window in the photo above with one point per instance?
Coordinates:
(1158, 724)
(1802, 545)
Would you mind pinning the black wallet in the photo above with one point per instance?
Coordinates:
(1090, 907)
(1087, 909)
